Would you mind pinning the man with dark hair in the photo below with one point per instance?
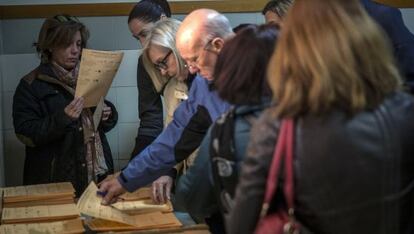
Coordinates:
(275, 10)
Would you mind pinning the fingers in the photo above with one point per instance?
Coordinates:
(74, 109)
(168, 187)
(106, 112)
(154, 194)
(109, 198)
(161, 195)
(112, 189)
(161, 189)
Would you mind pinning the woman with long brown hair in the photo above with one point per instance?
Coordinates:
(334, 74)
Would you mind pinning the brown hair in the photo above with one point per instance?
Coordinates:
(240, 70)
(331, 54)
(57, 32)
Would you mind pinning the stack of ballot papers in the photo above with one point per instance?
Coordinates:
(36, 214)
(133, 212)
(73, 226)
(40, 194)
(43, 208)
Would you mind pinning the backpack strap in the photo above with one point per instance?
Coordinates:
(223, 157)
(224, 160)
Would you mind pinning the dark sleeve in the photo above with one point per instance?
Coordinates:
(402, 40)
(32, 126)
(255, 168)
(149, 109)
(194, 191)
(110, 123)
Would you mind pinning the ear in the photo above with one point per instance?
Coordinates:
(217, 44)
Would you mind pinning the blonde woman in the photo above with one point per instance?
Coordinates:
(172, 80)
(334, 73)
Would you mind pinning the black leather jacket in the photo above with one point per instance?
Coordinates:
(352, 174)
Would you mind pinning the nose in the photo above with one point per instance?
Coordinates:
(75, 49)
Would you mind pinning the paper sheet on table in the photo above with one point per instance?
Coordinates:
(96, 72)
(90, 204)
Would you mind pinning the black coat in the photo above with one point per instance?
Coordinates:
(55, 151)
(150, 111)
(402, 40)
(352, 174)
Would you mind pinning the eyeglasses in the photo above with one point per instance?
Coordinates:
(163, 63)
(193, 63)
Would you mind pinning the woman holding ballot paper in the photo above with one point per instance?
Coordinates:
(63, 142)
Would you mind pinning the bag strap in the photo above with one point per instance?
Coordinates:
(283, 153)
(223, 159)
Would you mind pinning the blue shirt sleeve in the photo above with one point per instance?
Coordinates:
(158, 158)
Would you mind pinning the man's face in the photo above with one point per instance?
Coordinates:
(200, 57)
(271, 17)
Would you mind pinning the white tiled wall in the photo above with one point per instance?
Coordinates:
(123, 94)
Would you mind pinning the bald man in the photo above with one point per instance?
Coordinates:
(199, 39)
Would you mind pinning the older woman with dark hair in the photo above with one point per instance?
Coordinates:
(353, 152)
(240, 79)
(58, 132)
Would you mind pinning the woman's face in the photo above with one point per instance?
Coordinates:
(139, 29)
(163, 60)
(68, 57)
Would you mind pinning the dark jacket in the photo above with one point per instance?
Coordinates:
(402, 40)
(352, 174)
(55, 151)
(195, 192)
(149, 109)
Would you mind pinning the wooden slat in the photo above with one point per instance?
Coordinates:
(121, 9)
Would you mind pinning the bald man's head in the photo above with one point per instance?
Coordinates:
(201, 37)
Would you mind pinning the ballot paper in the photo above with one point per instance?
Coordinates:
(90, 204)
(96, 72)
(39, 214)
(142, 206)
(140, 194)
(40, 194)
(73, 226)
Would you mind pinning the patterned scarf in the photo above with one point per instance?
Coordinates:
(94, 152)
